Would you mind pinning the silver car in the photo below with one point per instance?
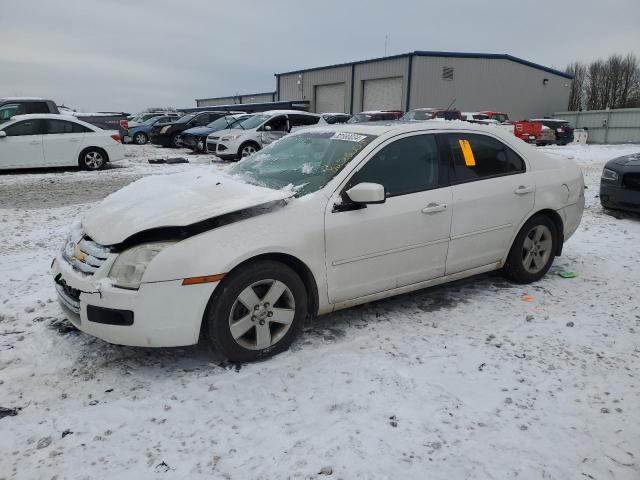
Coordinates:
(258, 131)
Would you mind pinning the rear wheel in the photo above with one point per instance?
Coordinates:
(533, 250)
(257, 311)
(140, 138)
(175, 140)
(93, 159)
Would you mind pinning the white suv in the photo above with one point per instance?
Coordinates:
(258, 131)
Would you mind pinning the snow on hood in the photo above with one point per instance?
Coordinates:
(174, 200)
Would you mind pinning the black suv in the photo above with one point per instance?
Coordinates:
(562, 129)
(168, 134)
(620, 183)
(12, 106)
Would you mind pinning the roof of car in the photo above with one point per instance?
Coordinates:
(375, 112)
(381, 128)
(286, 112)
(548, 120)
(32, 116)
(19, 98)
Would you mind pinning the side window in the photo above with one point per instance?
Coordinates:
(477, 156)
(405, 166)
(302, 120)
(58, 126)
(37, 107)
(278, 124)
(26, 127)
(77, 128)
(11, 109)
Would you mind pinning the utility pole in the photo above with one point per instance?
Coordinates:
(386, 44)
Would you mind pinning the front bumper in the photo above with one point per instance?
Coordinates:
(617, 197)
(163, 314)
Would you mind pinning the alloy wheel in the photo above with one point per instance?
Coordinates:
(262, 314)
(536, 248)
(93, 160)
(248, 150)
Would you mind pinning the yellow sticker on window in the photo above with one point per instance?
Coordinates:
(469, 159)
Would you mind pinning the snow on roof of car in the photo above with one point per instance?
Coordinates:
(548, 120)
(381, 128)
(373, 112)
(20, 98)
(286, 112)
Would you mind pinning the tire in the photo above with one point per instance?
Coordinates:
(247, 149)
(140, 138)
(174, 140)
(200, 146)
(525, 265)
(240, 320)
(93, 159)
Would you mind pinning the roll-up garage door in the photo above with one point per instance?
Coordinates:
(382, 94)
(330, 98)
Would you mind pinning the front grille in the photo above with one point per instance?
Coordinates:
(86, 256)
(211, 147)
(68, 295)
(631, 181)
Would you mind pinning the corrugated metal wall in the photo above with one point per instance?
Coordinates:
(248, 98)
(301, 86)
(488, 84)
(606, 126)
(478, 84)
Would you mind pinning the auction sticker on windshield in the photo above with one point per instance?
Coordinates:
(349, 137)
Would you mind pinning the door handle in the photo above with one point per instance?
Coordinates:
(434, 208)
(74, 140)
(523, 190)
(35, 142)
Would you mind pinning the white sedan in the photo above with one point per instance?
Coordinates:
(48, 140)
(321, 220)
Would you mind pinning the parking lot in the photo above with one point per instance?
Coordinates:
(545, 374)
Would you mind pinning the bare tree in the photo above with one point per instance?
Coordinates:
(610, 83)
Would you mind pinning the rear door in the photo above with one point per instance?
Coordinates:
(62, 142)
(492, 194)
(22, 147)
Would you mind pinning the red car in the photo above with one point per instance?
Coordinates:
(499, 116)
(375, 116)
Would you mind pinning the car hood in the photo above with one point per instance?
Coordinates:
(632, 160)
(199, 131)
(229, 131)
(177, 200)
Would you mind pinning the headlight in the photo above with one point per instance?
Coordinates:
(610, 175)
(231, 137)
(165, 129)
(130, 265)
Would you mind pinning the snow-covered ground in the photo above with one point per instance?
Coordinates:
(467, 380)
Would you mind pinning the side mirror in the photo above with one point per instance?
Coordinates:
(367, 193)
(3, 134)
(267, 128)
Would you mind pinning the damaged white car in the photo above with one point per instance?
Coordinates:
(321, 220)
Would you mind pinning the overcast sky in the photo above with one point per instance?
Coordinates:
(128, 55)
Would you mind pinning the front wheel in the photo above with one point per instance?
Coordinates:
(257, 311)
(248, 149)
(93, 159)
(533, 250)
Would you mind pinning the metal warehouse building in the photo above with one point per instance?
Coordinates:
(469, 81)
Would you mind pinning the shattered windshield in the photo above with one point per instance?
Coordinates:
(304, 162)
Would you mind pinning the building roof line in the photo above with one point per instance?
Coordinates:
(234, 96)
(424, 53)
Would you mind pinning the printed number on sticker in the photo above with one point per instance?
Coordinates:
(469, 159)
(349, 137)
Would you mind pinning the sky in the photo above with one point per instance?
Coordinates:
(123, 55)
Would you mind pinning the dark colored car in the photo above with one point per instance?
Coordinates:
(333, 118)
(620, 183)
(12, 106)
(139, 134)
(168, 135)
(419, 114)
(562, 129)
(375, 116)
(196, 138)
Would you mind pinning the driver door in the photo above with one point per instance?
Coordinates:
(378, 247)
(278, 128)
